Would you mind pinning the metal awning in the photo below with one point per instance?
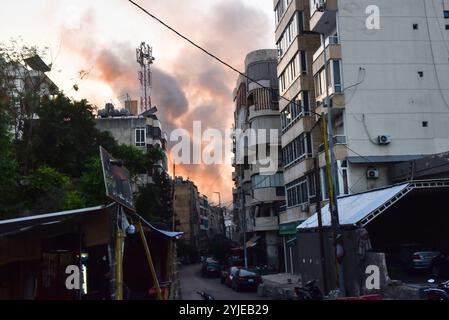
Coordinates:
(18, 225)
(364, 207)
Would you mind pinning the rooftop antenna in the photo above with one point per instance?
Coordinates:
(144, 56)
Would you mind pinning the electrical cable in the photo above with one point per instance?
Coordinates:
(235, 69)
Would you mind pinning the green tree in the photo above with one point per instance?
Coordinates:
(64, 136)
(45, 190)
(9, 198)
(91, 183)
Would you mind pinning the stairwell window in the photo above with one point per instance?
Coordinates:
(140, 137)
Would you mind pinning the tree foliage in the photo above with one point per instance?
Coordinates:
(49, 159)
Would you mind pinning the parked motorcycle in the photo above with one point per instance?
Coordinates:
(309, 292)
(439, 290)
(205, 295)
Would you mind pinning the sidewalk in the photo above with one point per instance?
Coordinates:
(279, 286)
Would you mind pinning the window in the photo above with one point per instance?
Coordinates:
(297, 150)
(265, 181)
(294, 27)
(300, 191)
(298, 107)
(303, 62)
(446, 14)
(336, 75)
(415, 26)
(294, 68)
(140, 137)
(282, 83)
(420, 74)
(319, 87)
(342, 182)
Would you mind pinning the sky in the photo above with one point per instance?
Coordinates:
(92, 44)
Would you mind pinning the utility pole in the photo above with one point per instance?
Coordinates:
(173, 197)
(320, 224)
(331, 168)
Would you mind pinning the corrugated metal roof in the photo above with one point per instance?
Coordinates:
(17, 225)
(355, 208)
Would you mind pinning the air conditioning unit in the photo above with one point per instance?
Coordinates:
(383, 139)
(372, 173)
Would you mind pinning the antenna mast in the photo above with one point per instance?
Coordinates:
(144, 56)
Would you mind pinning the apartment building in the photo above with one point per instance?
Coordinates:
(143, 131)
(300, 134)
(25, 84)
(187, 211)
(387, 84)
(258, 197)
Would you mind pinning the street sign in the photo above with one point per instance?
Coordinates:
(117, 180)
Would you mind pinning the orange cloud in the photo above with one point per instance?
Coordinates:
(192, 86)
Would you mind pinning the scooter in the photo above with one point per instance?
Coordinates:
(205, 295)
(309, 292)
(439, 290)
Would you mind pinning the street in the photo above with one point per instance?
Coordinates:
(191, 282)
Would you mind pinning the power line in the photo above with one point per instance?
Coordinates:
(212, 55)
(237, 71)
(222, 61)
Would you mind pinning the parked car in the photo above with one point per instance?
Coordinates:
(210, 268)
(233, 261)
(246, 279)
(412, 257)
(440, 266)
(231, 273)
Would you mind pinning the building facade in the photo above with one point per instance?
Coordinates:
(300, 136)
(143, 131)
(258, 196)
(386, 85)
(387, 65)
(187, 211)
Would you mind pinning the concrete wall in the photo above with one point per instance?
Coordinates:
(393, 99)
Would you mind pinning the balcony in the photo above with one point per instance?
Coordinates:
(266, 224)
(323, 15)
(267, 112)
(333, 52)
